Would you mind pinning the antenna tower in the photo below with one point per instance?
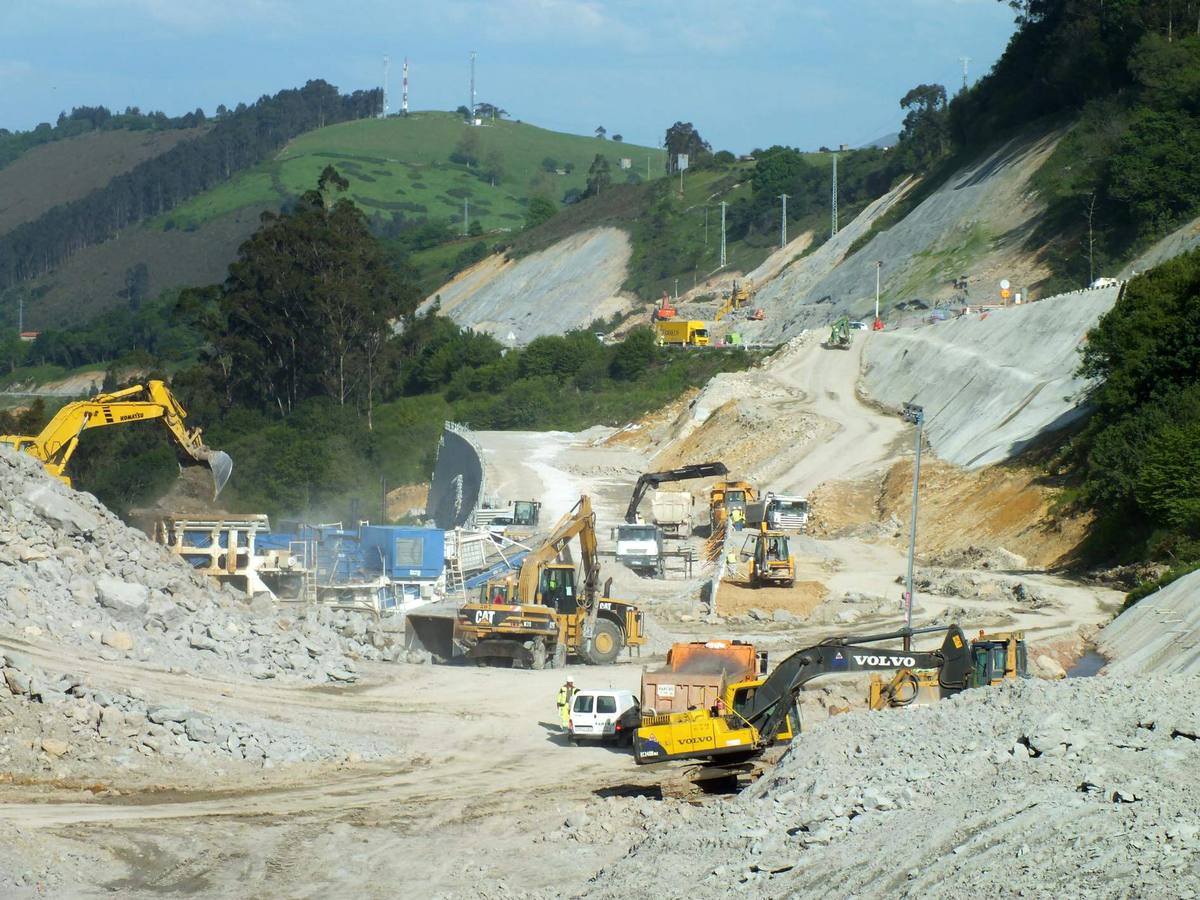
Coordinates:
(404, 92)
(384, 111)
(472, 107)
(783, 222)
(723, 205)
(964, 60)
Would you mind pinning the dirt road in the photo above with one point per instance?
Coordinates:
(479, 772)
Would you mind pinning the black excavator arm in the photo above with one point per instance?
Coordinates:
(768, 709)
(654, 479)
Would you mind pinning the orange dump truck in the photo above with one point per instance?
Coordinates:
(696, 672)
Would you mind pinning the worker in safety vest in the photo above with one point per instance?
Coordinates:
(566, 694)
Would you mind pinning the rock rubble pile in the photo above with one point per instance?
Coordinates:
(72, 573)
(1087, 787)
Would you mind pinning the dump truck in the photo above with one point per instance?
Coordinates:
(640, 545)
(544, 614)
(696, 672)
(780, 512)
(729, 499)
(681, 333)
(54, 445)
(671, 511)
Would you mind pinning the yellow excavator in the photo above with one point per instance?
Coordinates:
(543, 615)
(56, 443)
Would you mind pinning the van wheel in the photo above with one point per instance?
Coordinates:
(606, 643)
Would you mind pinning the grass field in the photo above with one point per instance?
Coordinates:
(403, 165)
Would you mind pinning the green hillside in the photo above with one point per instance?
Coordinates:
(403, 165)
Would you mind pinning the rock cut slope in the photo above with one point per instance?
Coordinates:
(1160, 634)
(990, 383)
(553, 291)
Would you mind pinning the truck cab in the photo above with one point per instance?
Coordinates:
(640, 548)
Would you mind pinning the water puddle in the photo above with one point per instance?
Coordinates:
(1087, 665)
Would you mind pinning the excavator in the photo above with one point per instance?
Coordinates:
(995, 659)
(755, 715)
(639, 544)
(56, 443)
(839, 335)
(543, 616)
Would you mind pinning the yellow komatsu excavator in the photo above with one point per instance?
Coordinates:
(56, 443)
(544, 614)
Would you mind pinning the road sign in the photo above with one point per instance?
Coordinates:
(681, 161)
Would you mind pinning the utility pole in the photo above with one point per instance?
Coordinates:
(676, 290)
(723, 205)
(20, 314)
(878, 268)
(706, 227)
(916, 415)
(834, 225)
(466, 213)
(964, 60)
(472, 107)
(783, 222)
(647, 166)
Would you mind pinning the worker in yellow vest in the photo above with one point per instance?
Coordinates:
(566, 694)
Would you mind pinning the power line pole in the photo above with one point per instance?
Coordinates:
(706, 228)
(878, 269)
(964, 60)
(783, 222)
(917, 416)
(20, 314)
(466, 213)
(833, 232)
(723, 205)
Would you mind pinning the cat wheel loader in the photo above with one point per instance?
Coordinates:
(56, 443)
(545, 614)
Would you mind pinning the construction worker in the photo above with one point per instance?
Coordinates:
(739, 518)
(566, 694)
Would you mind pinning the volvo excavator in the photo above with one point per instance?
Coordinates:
(545, 614)
(755, 715)
(56, 443)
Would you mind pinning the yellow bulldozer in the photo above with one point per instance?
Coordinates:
(545, 613)
(56, 443)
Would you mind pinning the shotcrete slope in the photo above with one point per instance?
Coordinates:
(974, 224)
(1158, 635)
(563, 287)
(992, 383)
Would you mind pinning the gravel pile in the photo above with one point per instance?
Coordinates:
(1084, 787)
(72, 573)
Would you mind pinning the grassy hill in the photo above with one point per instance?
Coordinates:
(403, 165)
(62, 171)
(395, 166)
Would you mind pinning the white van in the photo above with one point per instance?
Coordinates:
(604, 715)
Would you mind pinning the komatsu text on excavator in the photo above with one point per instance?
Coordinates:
(56, 443)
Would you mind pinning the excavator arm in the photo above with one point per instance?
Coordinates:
(579, 521)
(769, 707)
(654, 479)
(55, 444)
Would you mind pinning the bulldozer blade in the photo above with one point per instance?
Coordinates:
(221, 465)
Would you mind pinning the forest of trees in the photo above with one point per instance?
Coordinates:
(236, 141)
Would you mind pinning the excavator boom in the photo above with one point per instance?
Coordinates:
(56, 443)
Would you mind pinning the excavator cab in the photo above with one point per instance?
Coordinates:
(556, 589)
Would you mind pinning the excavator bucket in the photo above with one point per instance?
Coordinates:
(221, 465)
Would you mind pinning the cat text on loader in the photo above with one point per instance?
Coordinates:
(758, 714)
(56, 443)
(545, 613)
(995, 659)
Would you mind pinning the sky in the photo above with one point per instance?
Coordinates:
(747, 73)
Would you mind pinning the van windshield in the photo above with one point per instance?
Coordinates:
(606, 703)
(583, 703)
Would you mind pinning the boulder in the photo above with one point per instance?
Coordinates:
(54, 747)
(125, 600)
(118, 640)
(1049, 667)
(62, 511)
